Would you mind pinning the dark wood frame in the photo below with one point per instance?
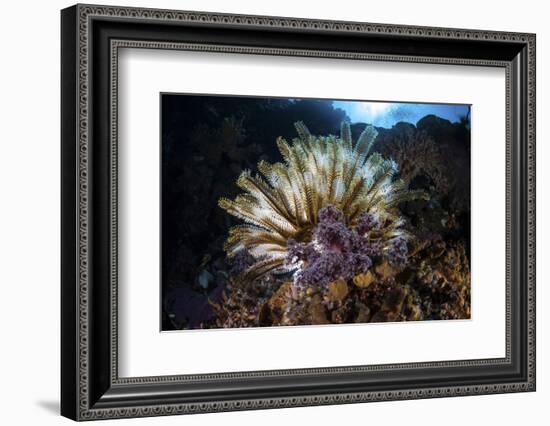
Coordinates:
(91, 37)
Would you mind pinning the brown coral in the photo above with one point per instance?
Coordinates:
(417, 153)
(243, 306)
(444, 278)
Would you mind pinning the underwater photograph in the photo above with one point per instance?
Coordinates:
(293, 212)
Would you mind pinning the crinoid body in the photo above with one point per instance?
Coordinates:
(324, 212)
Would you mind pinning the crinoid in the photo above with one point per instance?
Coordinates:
(282, 207)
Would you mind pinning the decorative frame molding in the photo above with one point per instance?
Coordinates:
(91, 37)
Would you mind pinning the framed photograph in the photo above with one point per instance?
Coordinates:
(263, 212)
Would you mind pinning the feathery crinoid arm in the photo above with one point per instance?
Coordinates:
(345, 135)
(359, 153)
(377, 182)
(366, 140)
(302, 130)
(253, 238)
(263, 266)
(267, 200)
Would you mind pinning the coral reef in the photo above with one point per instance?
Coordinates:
(371, 225)
(325, 241)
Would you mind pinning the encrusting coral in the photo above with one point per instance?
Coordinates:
(319, 200)
(442, 280)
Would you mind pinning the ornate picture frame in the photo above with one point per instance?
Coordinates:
(91, 37)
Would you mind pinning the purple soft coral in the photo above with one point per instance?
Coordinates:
(333, 236)
(297, 252)
(335, 252)
(397, 251)
(367, 222)
(330, 214)
(321, 270)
